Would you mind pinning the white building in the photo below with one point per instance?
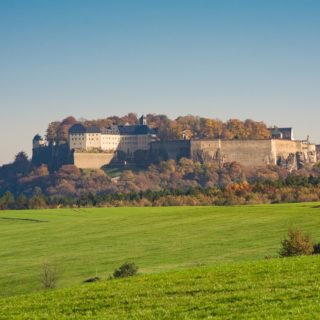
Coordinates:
(127, 138)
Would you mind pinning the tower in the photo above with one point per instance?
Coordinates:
(143, 121)
(38, 142)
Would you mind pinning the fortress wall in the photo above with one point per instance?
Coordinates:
(86, 160)
(165, 150)
(209, 146)
(304, 152)
(54, 156)
(282, 148)
(247, 152)
(317, 147)
(250, 153)
(310, 147)
(310, 152)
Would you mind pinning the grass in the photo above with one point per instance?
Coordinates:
(115, 171)
(85, 242)
(267, 289)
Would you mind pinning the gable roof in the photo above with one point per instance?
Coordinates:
(93, 129)
(135, 130)
(80, 128)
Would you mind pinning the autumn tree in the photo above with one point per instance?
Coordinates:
(51, 134)
(63, 130)
(296, 244)
(57, 131)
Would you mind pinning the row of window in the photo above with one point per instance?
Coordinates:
(96, 135)
(74, 139)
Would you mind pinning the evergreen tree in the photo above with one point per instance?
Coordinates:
(22, 202)
(7, 201)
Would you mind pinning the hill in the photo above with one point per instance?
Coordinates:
(273, 289)
(81, 242)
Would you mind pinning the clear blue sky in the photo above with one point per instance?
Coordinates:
(222, 59)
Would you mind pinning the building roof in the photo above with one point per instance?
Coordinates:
(93, 129)
(135, 130)
(77, 128)
(37, 137)
(122, 130)
(284, 133)
(80, 128)
(289, 130)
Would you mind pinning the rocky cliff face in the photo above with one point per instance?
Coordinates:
(318, 152)
(297, 160)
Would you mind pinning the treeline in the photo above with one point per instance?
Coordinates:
(185, 126)
(23, 185)
(295, 190)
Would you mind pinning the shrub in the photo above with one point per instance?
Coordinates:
(128, 269)
(49, 276)
(93, 279)
(297, 244)
(316, 248)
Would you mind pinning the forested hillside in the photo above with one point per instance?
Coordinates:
(193, 182)
(23, 185)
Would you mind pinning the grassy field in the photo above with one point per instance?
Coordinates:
(84, 242)
(266, 289)
(113, 171)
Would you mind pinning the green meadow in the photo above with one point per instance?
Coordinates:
(267, 289)
(83, 243)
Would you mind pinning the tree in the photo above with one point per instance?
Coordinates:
(21, 163)
(21, 202)
(38, 200)
(49, 276)
(235, 128)
(69, 171)
(128, 269)
(69, 121)
(58, 131)
(130, 118)
(297, 244)
(7, 201)
(62, 133)
(21, 157)
(52, 129)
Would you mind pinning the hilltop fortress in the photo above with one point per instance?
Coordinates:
(93, 147)
(127, 138)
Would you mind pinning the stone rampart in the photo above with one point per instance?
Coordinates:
(253, 153)
(86, 160)
(294, 154)
(247, 152)
(286, 147)
(54, 156)
(165, 150)
(317, 147)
